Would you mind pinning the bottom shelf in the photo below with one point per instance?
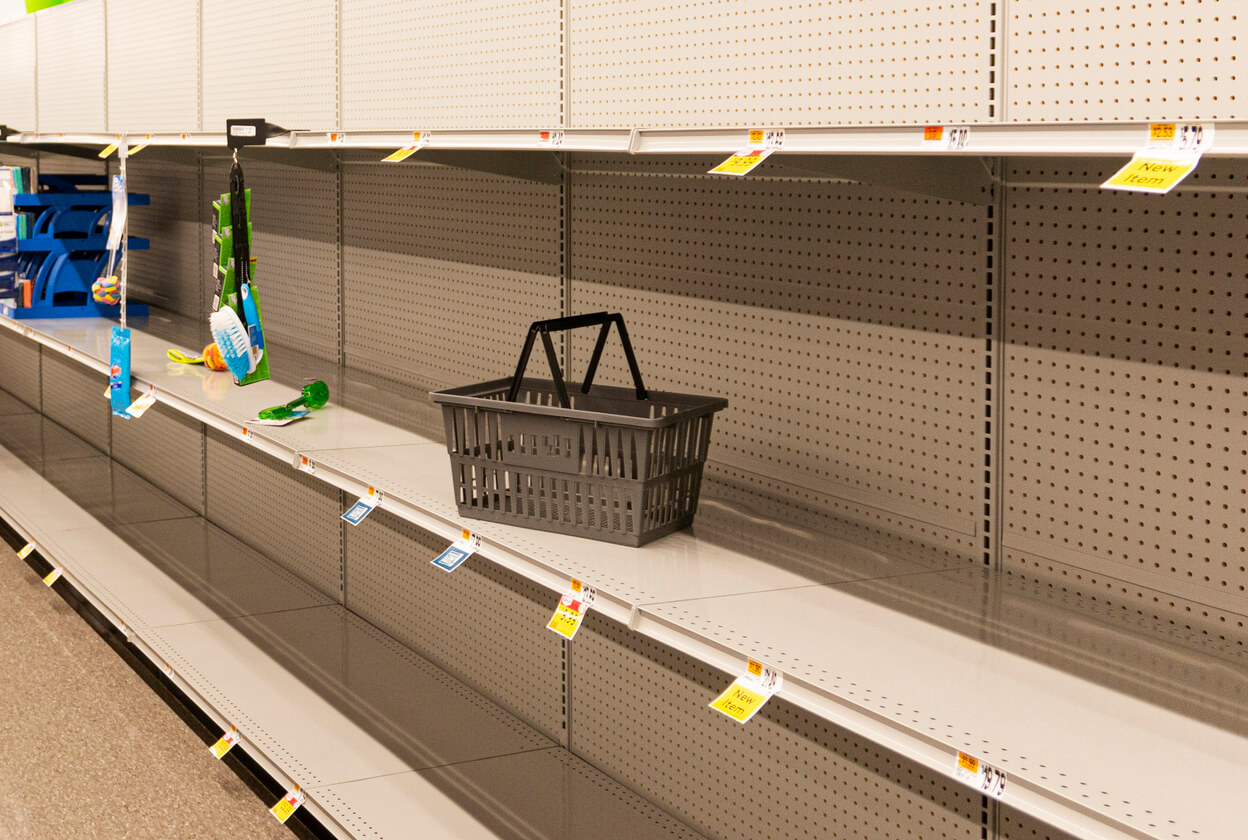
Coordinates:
(379, 739)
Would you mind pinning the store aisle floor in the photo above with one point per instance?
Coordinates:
(87, 749)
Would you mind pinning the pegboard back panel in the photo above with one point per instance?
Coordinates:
(1126, 450)
(733, 63)
(20, 373)
(172, 271)
(509, 656)
(294, 217)
(430, 65)
(73, 396)
(640, 713)
(277, 60)
(1015, 825)
(153, 65)
(444, 270)
(842, 322)
(70, 67)
(289, 517)
(167, 449)
(17, 74)
(1124, 61)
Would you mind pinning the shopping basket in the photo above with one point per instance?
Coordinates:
(616, 464)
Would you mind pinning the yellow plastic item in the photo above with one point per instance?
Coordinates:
(210, 359)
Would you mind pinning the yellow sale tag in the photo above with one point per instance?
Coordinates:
(134, 150)
(287, 805)
(401, 154)
(108, 150)
(52, 577)
(933, 133)
(968, 763)
(1161, 132)
(1157, 175)
(742, 162)
(26, 550)
(224, 744)
(740, 702)
(568, 617)
(756, 137)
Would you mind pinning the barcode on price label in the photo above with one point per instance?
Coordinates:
(771, 138)
(1180, 138)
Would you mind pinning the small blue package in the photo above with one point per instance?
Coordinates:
(119, 372)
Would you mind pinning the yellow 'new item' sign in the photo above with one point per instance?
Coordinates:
(1147, 174)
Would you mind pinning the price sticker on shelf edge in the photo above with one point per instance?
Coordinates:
(553, 139)
(53, 576)
(742, 163)
(362, 507)
(25, 551)
(1152, 173)
(946, 138)
(980, 775)
(769, 138)
(571, 610)
(1180, 138)
(459, 551)
(748, 692)
(287, 805)
(140, 406)
(224, 744)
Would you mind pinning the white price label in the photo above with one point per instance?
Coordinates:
(770, 138)
(553, 139)
(1180, 138)
(980, 775)
(946, 138)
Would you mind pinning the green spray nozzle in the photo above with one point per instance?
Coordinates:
(314, 395)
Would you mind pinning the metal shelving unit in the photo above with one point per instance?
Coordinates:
(733, 589)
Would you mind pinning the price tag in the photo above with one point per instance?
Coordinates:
(224, 744)
(553, 139)
(1180, 138)
(134, 150)
(742, 162)
(979, 774)
(402, 154)
(459, 551)
(748, 692)
(772, 138)
(287, 805)
(107, 151)
(337, 138)
(306, 464)
(943, 138)
(140, 406)
(363, 507)
(571, 610)
(52, 576)
(25, 551)
(1152, 173)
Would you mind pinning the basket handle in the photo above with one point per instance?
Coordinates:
(544, 329)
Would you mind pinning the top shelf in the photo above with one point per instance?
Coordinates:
(1229, 139)
(1105, 728)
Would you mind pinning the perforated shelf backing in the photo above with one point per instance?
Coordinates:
(1176, 60)
(1126, 450)
(1015, 825)
(485, 64)
(153, 65)
(842, 322)
(73, 396)
(17, 73)
(20, 363)
(167, 448)
(730, 62)
(509, 655)
(69, 69)
(640, 713)
(444, 270)
(288, 50)
(289, 517)
(172, 271)
(294, 218)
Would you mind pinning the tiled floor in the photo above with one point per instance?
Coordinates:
(87, 749)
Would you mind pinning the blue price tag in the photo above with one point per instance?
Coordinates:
(356, 513)
(451, 559)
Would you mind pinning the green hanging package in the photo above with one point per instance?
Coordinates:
(236, 290)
